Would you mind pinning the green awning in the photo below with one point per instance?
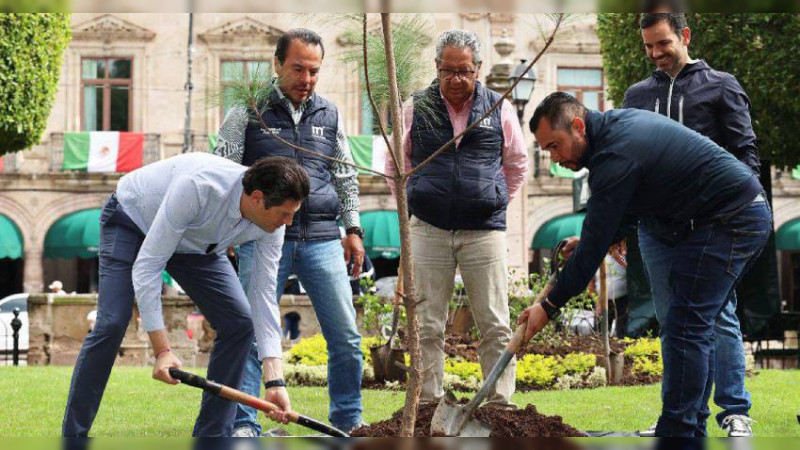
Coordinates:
(74, 236)
(10, 239)
(557, 170)
(788, 236)
(381, 234)
(557, 229)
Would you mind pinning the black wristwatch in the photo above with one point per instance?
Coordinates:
(358, 231)
(279, 382)
(550, 309)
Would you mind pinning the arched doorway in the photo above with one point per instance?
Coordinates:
(70, 251)
(11, 257)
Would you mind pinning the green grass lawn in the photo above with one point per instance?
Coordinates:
(32, 404)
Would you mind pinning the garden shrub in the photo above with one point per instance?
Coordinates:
(462, 368)
(579, 363)
(312, 351)
(649, 347)
(31, 51)
(538, 370)
(647, 366)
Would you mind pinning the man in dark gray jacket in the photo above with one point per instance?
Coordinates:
(715, 105)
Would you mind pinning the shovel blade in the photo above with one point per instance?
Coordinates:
(450, 419)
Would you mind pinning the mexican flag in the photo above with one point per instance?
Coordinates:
(103, 151)
(368, 151)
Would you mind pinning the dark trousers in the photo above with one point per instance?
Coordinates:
(211, 283)
(700, 274)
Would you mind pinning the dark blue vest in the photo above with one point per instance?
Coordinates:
(316, 219)
(464, 187)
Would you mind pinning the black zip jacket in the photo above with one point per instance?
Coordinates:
(644, 165)
(708, 101)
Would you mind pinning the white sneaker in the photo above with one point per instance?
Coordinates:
(244, 432)
(737, 426)
(650, 432)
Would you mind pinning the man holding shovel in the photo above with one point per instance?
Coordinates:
(704, 208)
(458, 205)
(181, 214)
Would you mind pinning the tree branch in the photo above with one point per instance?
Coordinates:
(372, 101)
(312, 152)
(498, 103)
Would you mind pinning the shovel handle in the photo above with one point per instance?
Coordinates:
(265, 406)
(519, 335)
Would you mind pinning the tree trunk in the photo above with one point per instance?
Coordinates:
(410, 299)
(603, 300)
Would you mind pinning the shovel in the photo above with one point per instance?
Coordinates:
(384, 356)
(452, 419)
(233, 395)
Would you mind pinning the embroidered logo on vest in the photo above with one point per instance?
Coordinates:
(275, 131)
(318, 131)
(486, 123)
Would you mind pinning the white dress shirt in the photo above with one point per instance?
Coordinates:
(190, 203)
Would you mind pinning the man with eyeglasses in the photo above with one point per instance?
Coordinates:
(458, 205)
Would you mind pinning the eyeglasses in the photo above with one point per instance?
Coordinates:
(450, 74)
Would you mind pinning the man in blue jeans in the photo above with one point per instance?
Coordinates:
(714, 104)
(181, 214)
(314, 249)
(704, 209)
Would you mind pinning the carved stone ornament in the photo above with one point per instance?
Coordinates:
(110, 28)
(246, 29)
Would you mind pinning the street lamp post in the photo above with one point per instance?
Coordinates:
(521, 94)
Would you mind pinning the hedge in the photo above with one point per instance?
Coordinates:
(761, 50)
(31, 50)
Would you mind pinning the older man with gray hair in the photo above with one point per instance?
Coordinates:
(458, 205)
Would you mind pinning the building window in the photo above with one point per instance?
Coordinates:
(584, 84)
(106, 100)
(234, 72)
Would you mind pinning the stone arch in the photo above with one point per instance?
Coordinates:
(784, 211)
(544, 209)
(62, 206)
(21, 217)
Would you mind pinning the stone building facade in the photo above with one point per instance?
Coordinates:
(150, 98)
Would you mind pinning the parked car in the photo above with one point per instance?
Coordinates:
(7, 306)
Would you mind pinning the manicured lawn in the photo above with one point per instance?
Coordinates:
(32, 404)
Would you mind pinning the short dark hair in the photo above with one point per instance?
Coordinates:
(279, 178)
(677, 21)
(305, 36)
(559, 108)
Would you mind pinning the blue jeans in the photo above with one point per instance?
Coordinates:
(320, 266)
(210, 282)
(693, 285)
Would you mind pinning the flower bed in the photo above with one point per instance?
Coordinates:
(559, 363)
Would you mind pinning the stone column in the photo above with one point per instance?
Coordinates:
(33, 272)
(517, 213)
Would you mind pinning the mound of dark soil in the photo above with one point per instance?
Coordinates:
(520, 423)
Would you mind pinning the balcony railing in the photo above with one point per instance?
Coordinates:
(150, 153)
(200, 143)
(541, 162)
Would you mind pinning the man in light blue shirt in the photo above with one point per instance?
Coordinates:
(181, 214)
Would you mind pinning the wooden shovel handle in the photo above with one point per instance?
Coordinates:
(519, 335)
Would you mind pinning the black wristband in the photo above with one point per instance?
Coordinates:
(358, 231)
(550, 309)
(278, 382)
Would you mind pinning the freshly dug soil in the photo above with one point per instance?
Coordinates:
(521, 423)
